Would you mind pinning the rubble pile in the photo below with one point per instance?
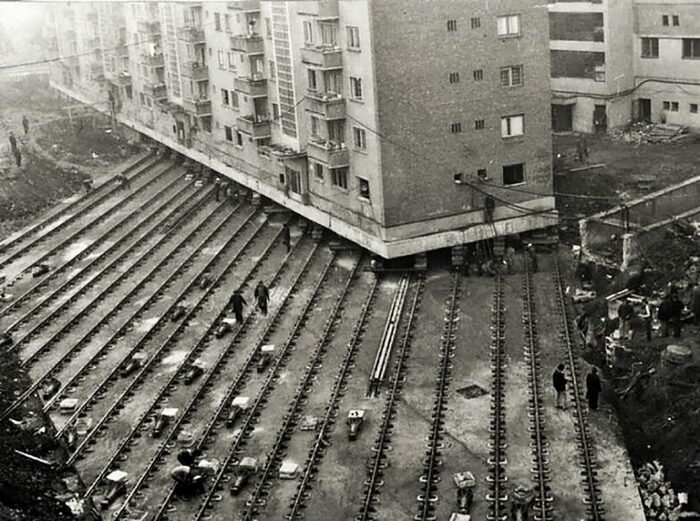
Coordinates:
(652, 133)
(660, 500)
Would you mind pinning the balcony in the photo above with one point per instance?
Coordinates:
(197, 107)
(327, 10)
(122, 79)
(248, 44)
(192, 35)
(253, 88)
(96, 68)
(153, 60)
(256, 127)
(249, 6)
(157, 91)
(144, 26)
(322, 57)
(332, 155)
(121, 51)
(195, 71)
(328, 106)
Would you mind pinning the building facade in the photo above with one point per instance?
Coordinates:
(402, 126)
(621, 61)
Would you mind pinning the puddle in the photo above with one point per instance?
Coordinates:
(147, 324)
(74, 249)
(345, 262)
(472, 391)
(175, 357)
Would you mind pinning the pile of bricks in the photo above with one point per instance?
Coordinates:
(660, 500)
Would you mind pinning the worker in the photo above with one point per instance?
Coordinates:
(489, 208)
(262, 296)
(676, 314)
(559, 384)
(13, 142)
(123, 181)
(217, 188)
(87, 183)
(647, 316)
(509, 259)
(25, 124)
(625, 313)
(593, 388)
(18, 157)
(695, 303)
(286, 237)
(532, 255)
(186, 457)
(186, 479)
(237, 302)
(664, 314)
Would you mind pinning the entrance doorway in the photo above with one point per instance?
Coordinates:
(600, 119)
(644, 110)
(562, 118)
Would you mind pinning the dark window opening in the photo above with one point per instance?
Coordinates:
(664, 19)
(456, 128)
(650, 47)
(451, 25)
(479, 74)
(582, 27)
(229, 133)
(364, 187)
(481, 174)
(694, 108)
(479, 124)
(454, 77)
(578, 64)
(513, 174)
(691, 47)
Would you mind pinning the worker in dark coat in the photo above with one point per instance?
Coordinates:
(532, 255)
(664, 314)
(262, 296)
(593, 388)
(286, 237)
(13, 142)
(559, 383)
(18, 157)
(237, 302)
(695, 303)
(676, 314)
(625, 313)
(25, 125)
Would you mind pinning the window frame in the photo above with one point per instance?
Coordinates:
(665, 21)
(478, 74)
(476, 22)
(509, 70)
(479, 124)
(693, 46)
(339, 177)
(451, 25)
(509, 18)
(353, 37)
(308, 31)
(693, 108)
(217, 22)
(228, 133)
(355, 86)
(225, 98)
(516, 182)
(676, 20)
(649, 48)
(359, 138)
(456, 128)
(453, 77)
(508, 120)
(361, 181)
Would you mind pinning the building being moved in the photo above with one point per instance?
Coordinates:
(402, 126)
(621, 61)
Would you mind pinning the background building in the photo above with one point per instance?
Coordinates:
(403, 126)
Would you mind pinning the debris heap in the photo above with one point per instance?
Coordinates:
(660, 500)
(652, 133)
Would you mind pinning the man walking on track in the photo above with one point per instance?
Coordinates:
(559, 383)
(237, 302)
(25, 125)
(593, 388)
(286, 238)
(262, 296)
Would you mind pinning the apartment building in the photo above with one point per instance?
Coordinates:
(620, 61)
(402, 126)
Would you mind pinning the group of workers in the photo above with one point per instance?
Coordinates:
(593, 387)
(482, 258)
(237, 301)
(14, 148)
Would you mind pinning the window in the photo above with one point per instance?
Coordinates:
(512, 76)
(336, 131)
(355, 88)
(674, 106)
(232, 60)
(456, 128)
(451, 26)
(239, 139)
(667, 105)
(294, 177)
(478, 74)
(225, 97)
(691, 47)
(512, 126)
(599, 72)
(479, 124)
(273, 70)
(128, 92)
(509, 25)
(227, 23)
(364, 187)
(318, 170)
(664, 19)
(513, 174)
(650, 47)
(234, 99)
(222, 59)
(353, 38)
(142, 98)
(454, 77)
(311, 73)
(275, 111)
(228, 133)
(676, 20)
(693, 108)
(315, 125)
(339, 177)
(308, 33)
(476, 22)
(458, 178)
(359, 138)
(217, 21)
(329, 35)
(481, 174)
(268, 27)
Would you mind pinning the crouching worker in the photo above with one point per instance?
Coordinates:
(188, 480)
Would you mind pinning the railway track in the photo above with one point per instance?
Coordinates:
(74, 277)
(587, 454)
(431, 463)
(114, 311)
(167, 388)
(378, 460)
(128, 390)
(191, 409)
(327, 420)
(52, 217)
(497, 495)
(78, 217)
(538, 438)
(224, 472)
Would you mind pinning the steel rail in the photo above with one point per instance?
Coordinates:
(209, 379)
(377, 463)
(130, 390)
(431, 476)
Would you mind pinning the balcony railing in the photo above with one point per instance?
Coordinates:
(331, 154)
(256, 126)
(248, 44)
(198, 107)
(144, 26)
(322, 57)
(153, 60)
(244, 5)
(157, 91)
(329, 106)
(195, 71)
(122, 79)
(192, 34)
(255, 88)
